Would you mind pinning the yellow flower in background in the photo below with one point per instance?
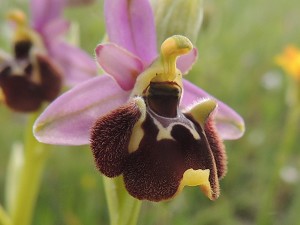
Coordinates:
(289, 60)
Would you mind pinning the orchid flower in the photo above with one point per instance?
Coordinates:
(157, 147)
(121, 116)
(132, 47)
(42, 62)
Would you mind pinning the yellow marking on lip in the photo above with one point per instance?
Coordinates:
(137, 131)
(197, 177)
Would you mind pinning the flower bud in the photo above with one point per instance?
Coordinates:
(178, 17)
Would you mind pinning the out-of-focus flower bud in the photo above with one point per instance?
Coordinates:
(178, 17)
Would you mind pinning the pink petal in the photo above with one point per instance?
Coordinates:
(67, 120)
(130, 24)
(77, 65)
(55, 28)
(121, 64)
(44, 11)
(185, 62)
(229, 123)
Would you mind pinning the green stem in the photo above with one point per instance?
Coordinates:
(4, 218)
(293, 213)
(123, 209)
(135, 213)
(112, 200)
(290, 135)
(35, 155)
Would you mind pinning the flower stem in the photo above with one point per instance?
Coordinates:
(30, 173)
(4, 218)
(123, 209)
(290, 135)
(112, 200)
(135, 213)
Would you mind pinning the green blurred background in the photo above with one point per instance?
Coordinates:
(237, 45)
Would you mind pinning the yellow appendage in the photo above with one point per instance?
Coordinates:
(198, 177)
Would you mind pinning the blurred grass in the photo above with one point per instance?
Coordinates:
(237, 46)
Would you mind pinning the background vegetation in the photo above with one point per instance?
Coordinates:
(237, 45)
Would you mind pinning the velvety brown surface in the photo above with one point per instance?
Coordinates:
(110, 138)
(217, 147)
(154, 171)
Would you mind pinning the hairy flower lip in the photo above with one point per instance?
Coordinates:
(167, 155)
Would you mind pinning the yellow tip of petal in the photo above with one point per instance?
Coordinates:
(202, 110)
(198, 177)
(17, 16)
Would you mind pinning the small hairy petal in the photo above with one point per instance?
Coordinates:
(110, 138)
(230, 124)
(121, 64)
(68, 119)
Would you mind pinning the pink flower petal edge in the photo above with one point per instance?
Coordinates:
(67, 120)
(185, 62)
(131, 26)
(121, 64)
(229, 123)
